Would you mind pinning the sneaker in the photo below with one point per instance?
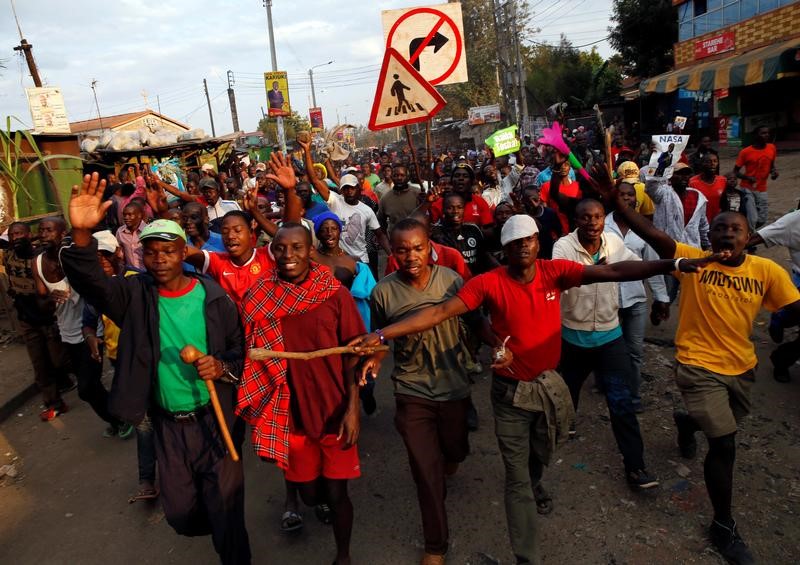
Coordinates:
(53, 412)
(730, 544)
(125, 431)
(686, 429)
(476, 369)
(641, 480)
(111, 431)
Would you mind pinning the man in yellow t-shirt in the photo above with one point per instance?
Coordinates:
(716, 359)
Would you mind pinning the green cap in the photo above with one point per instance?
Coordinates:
(166, 230)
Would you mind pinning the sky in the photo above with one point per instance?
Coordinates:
(146, 52)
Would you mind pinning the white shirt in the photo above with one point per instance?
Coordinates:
(221, 208)
(631, 292)
(356, 219)
(668, 216)
(785, 231)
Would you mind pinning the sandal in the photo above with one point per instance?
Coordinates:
(145, 493)
(291, 521)
(544, 502)
(324, 513)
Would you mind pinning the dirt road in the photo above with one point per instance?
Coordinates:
(68, 503)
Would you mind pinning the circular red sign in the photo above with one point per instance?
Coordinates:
(448, 20)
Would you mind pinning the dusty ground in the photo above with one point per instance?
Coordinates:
(68, 503)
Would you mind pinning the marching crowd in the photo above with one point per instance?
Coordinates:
(516, 252)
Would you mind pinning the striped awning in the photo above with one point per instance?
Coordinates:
(753, 67)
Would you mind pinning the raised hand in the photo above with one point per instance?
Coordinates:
(86, 206)
(156, 197)
(282, 171)
(365, 343)
(603, 183)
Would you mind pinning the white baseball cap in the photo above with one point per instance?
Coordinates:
(106, 241)
(348, 180)
(518, 227)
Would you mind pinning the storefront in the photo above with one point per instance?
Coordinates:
(737, 67)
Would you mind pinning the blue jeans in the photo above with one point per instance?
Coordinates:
(633, 320)
(612, 368)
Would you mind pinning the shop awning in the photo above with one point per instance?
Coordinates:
(759, 65)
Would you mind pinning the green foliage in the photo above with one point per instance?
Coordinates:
(643, 34)
(15, 163)
(291, 125)
(561, 73)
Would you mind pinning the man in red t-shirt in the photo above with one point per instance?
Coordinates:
(527, 289)
(758, 161)
(710, 184)
(476, 210)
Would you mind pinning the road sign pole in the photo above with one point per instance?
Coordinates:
(413, 152)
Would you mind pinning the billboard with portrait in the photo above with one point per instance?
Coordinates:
(277, 87)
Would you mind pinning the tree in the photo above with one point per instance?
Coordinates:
(643, 34)
(562, 73)
(482, 57)
(291, 125)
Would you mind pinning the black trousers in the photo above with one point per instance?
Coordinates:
(612, 367)
(90, 384)
(435, 433)
(202, 489)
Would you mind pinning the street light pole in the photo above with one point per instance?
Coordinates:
(311, 79)
(279, 119)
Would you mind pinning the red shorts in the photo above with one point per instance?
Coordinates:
(311, 458)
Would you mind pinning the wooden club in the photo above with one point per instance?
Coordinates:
(189, 355)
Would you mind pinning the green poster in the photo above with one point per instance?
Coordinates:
(504, 141)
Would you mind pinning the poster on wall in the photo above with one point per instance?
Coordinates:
(667, 152)
(47, 110)
(478, 115)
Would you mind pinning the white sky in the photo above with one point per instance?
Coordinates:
(167, 47)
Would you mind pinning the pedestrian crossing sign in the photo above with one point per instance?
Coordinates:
(403, 96)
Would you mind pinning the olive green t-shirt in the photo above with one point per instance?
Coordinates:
(430, 364)
(181, 321)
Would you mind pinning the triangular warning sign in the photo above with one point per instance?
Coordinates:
(403, 96)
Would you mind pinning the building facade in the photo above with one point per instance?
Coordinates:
(736, 67)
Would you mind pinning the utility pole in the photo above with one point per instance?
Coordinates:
(311, 79)
(274, 57)
(210, 114)
(26, 49)
(232, 101)
(96, 105)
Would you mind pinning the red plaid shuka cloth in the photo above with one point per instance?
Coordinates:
(263, 396)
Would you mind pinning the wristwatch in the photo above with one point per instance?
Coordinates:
(227, 376)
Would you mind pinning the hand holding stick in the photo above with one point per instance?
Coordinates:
(189, 355)
(258, 354)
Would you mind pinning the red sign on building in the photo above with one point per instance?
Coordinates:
(714, 45)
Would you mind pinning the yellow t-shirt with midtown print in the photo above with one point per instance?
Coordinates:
(718, 306)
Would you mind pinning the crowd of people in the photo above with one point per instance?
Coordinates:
(434, 257)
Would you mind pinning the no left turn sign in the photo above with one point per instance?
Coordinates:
(431, 38)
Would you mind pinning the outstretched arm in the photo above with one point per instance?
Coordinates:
(419, 322)
(638, 270)
(663, 244)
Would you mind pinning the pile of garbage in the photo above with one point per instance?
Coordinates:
(138, 139)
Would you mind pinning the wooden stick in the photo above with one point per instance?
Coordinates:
(413, 153)
(189, 355)
(428, 170)
(258, 354)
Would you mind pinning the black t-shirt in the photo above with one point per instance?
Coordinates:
(468, 239)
